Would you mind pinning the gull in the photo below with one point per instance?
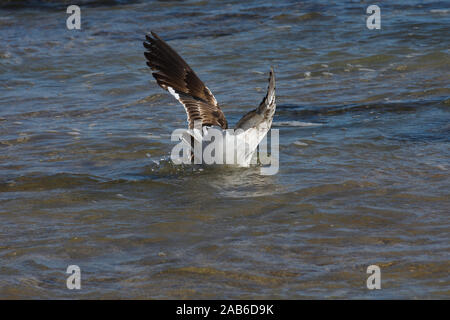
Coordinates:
(173, 74)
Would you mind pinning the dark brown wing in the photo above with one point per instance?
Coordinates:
(174, 75)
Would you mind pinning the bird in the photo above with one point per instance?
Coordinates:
(173, 74)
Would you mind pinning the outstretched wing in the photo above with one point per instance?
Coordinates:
(253, 127)
(174, 75)
(263, 115)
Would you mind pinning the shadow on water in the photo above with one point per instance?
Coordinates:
(396, 107)
(57, 5)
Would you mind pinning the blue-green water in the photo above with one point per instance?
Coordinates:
(364, 125)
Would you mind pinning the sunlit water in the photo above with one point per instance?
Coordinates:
(85, 175)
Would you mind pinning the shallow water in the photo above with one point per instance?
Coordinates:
(364, 152)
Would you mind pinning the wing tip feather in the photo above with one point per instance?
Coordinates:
(173, 74)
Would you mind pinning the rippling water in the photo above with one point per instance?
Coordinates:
(85, 176)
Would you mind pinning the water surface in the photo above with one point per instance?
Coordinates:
(85, 176)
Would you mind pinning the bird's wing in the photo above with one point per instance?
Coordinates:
(253, 126)
(263, 115)
(174, 75)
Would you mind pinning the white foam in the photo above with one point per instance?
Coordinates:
(92, 74)
(299, 143)
(149, 136)
(440, 11)
(366, 69)
(295, 124)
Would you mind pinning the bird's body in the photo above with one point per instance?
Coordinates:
(205, 118)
